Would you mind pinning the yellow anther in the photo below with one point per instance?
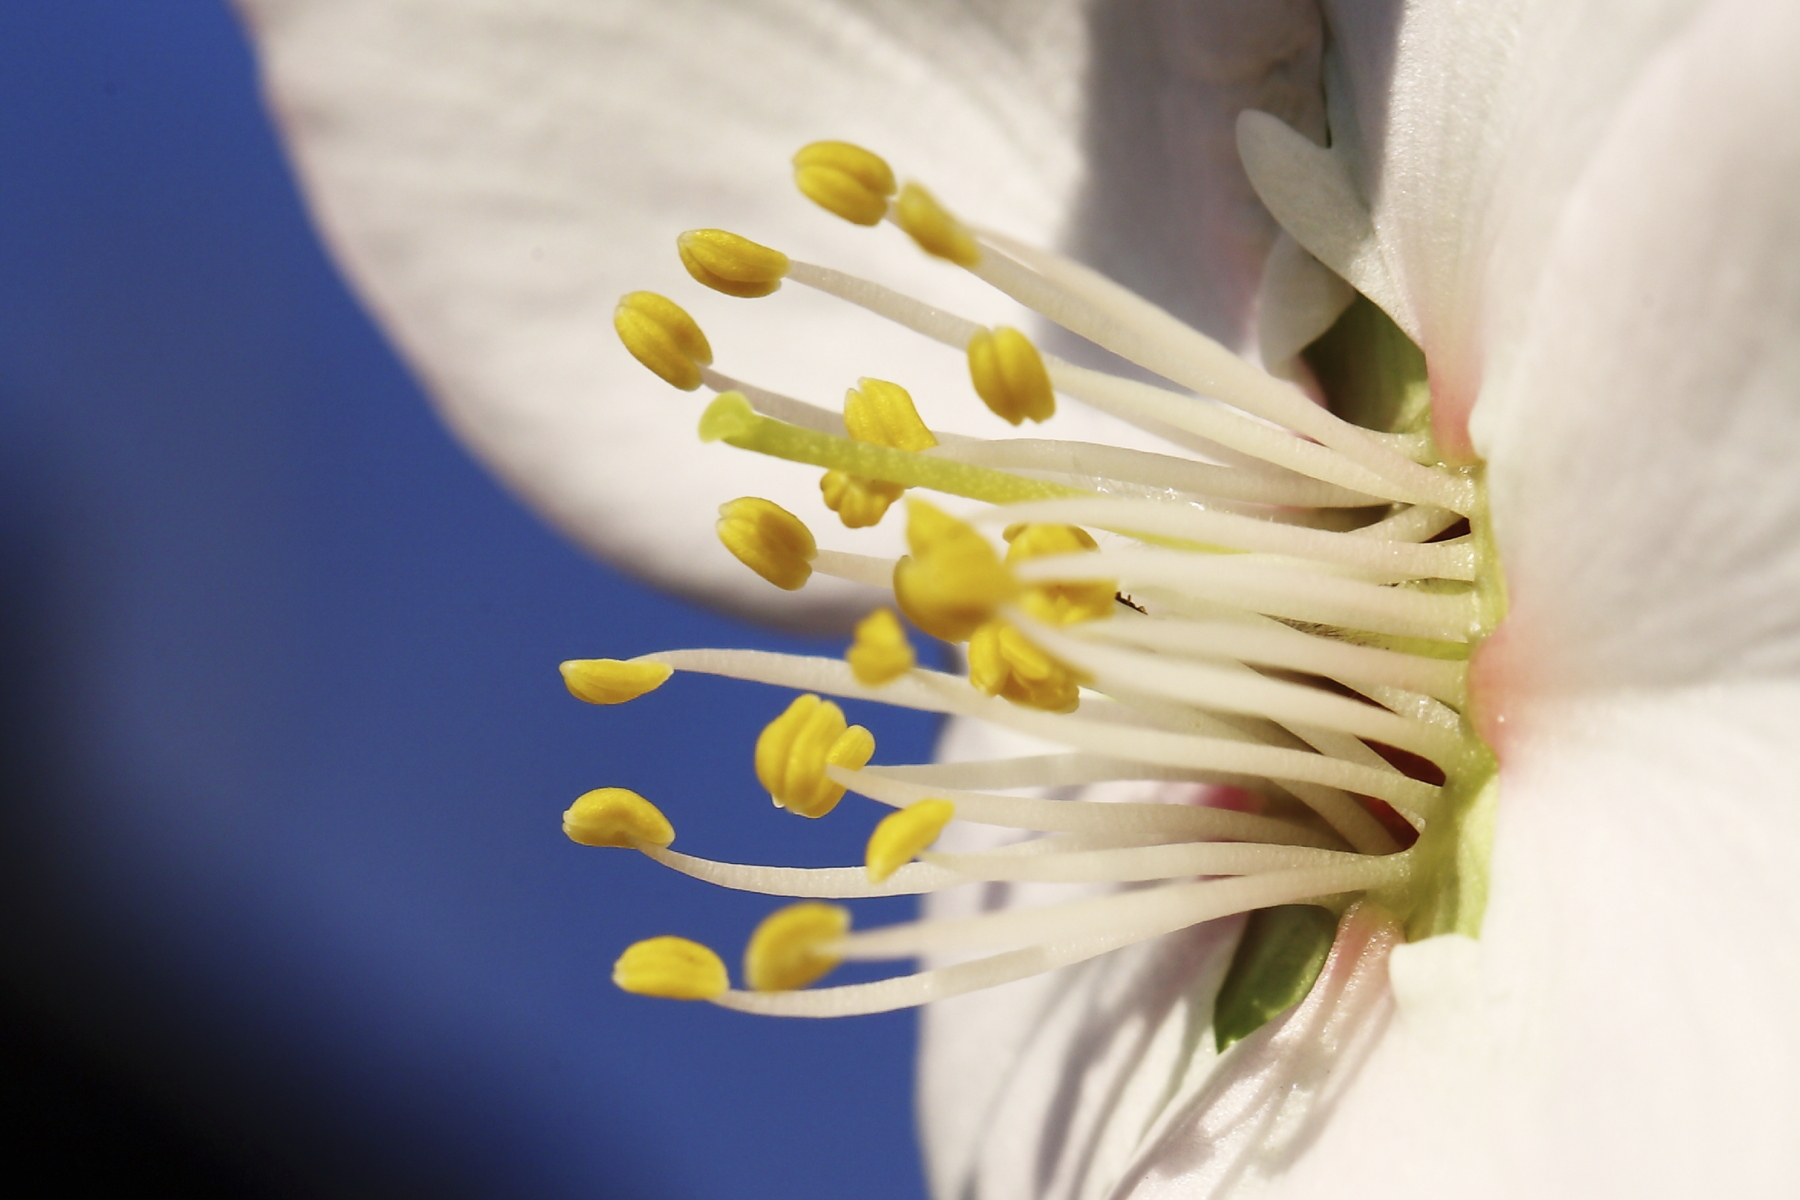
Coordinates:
(933, 228)
(880, 651)
(616, 817)
(901, 836)
(769, 540)
(789, 948)
(846, 180)
(660, 334)
(858, 502)
(729, 263)
(796, 747)
(1060, 603)
(1003, 663)
(611, 681)
(672, 968)
(953, 580)
(883, 413)
(1009, 375)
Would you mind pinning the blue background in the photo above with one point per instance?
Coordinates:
(288, 911)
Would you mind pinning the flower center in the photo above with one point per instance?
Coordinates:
(1278, 629)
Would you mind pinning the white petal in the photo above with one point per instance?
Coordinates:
(1642, 453)
(1311, 191)
(1045, 1087)
(1168, 209)
(1469, 121)
(1624, 1026)
(493, 174)
(1299, 299)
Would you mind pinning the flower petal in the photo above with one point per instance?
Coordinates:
(1312, 192)
(1642, 450)
(494, 174)
(1624, 1026)
(1167, 208)
(1469, 122)
(1045, 1087)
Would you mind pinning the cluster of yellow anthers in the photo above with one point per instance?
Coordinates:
(1304, 596)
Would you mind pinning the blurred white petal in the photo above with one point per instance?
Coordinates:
(494, 174)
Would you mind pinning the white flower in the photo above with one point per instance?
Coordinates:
(1587, 217)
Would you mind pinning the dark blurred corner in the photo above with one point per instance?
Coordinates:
(286, 909)
(83, 1113)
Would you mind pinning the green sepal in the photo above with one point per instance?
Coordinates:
(1278, 958)
(1372, 373)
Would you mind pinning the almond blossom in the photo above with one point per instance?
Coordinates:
(1584, 217)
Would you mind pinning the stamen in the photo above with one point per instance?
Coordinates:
(797, 746)
(1153, 407)
(1170, 909)
(1087, 303)
(845, 179)
(859, 503)
(610, 681)
(616, 817)
(1272, 644)
(902, 835)
(910, 991)
(1136, 864)
(1243, 627)
(823, 883)
(1009, 376)
(672, 968)
(934, 323)
(660, 334)
(1144, 823)
(1374, 557)
(1003, 662)
(930, 225)
(880, 652)
(732, 264)
(953, 580)
(1136, 914)
(881, 414)
(1115, 470)
(792, 947)
(1273, 587)
(769, 540)
(1244, 691)
(937, 692)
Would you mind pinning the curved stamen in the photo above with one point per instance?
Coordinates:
(1374, 557)
(1272, 644)
(1144, 913)
(1279, 589)
(1143, 822)
(1085, 302)
(1242, 691)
